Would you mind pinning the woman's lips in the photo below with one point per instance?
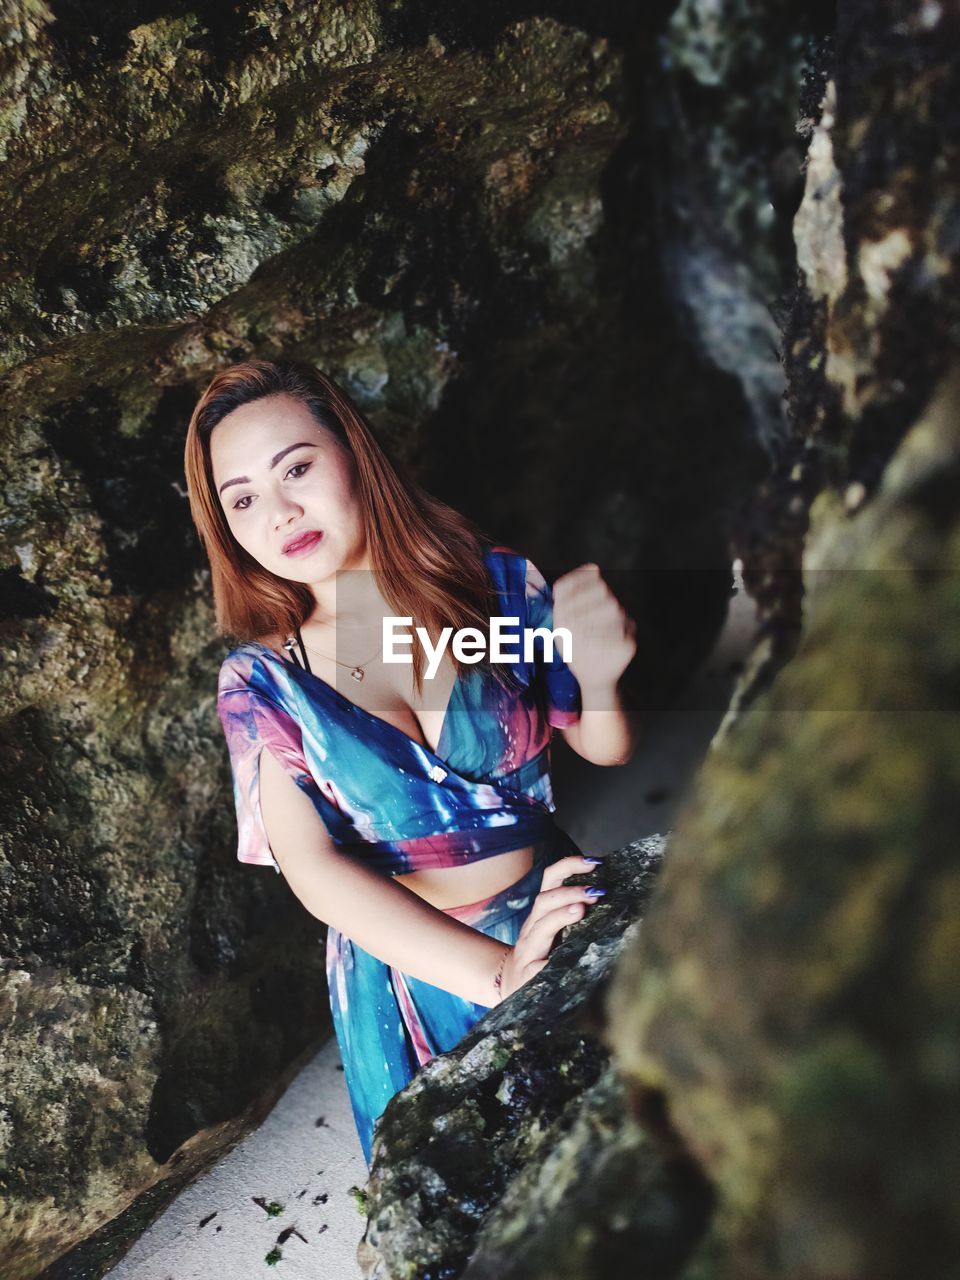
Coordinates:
(303, 545)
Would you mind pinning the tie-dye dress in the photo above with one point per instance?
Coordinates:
(400, 807)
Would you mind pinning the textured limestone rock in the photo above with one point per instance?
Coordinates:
(603, 1200)
(735, 79)
(732, 74)
(805, 1045)
(479, 1164)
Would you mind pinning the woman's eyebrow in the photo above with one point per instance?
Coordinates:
(304, 444)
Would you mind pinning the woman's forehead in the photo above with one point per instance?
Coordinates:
(266, 413)
(250, 435)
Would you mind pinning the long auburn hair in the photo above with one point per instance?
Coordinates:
(428, 558)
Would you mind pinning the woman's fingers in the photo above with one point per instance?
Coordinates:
(532, 948)
(554, 893)
(549, 899)
(536, 945)
(557, 872)
(555, 906)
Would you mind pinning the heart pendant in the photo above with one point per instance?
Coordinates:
(357, 673)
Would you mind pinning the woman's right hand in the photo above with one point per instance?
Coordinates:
(554, 906)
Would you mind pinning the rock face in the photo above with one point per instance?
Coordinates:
(804, 1042)
(453, 214)
(805, 1046)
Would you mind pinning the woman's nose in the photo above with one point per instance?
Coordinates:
(285, 510)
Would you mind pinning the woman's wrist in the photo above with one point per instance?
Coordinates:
(498, 976)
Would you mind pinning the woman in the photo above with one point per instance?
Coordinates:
(411, 813)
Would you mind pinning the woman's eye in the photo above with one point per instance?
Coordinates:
(299, 468)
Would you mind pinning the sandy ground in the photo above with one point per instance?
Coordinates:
(281, 1199)
(217, 1230)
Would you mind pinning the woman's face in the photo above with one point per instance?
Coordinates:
(288, 489)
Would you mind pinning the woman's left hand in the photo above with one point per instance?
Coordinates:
(603, 634)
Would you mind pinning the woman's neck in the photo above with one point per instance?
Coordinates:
(348, 599)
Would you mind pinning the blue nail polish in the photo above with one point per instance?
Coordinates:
(593, 860)
(593, 892)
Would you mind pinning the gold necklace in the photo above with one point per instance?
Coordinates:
(356, 668)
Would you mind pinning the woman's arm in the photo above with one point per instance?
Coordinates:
(390, 921)
(608, 729)
(604, 639)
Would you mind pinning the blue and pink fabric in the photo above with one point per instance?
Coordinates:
(400, 807)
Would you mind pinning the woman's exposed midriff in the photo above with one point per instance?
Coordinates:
(459, 886)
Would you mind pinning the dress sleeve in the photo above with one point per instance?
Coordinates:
(560, 685)
(252, 720)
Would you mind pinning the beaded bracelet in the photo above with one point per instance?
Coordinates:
(498, 980)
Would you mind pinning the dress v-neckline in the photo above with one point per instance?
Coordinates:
(325, 684)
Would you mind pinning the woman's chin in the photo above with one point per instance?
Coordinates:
(306, 569)
(297, 573)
